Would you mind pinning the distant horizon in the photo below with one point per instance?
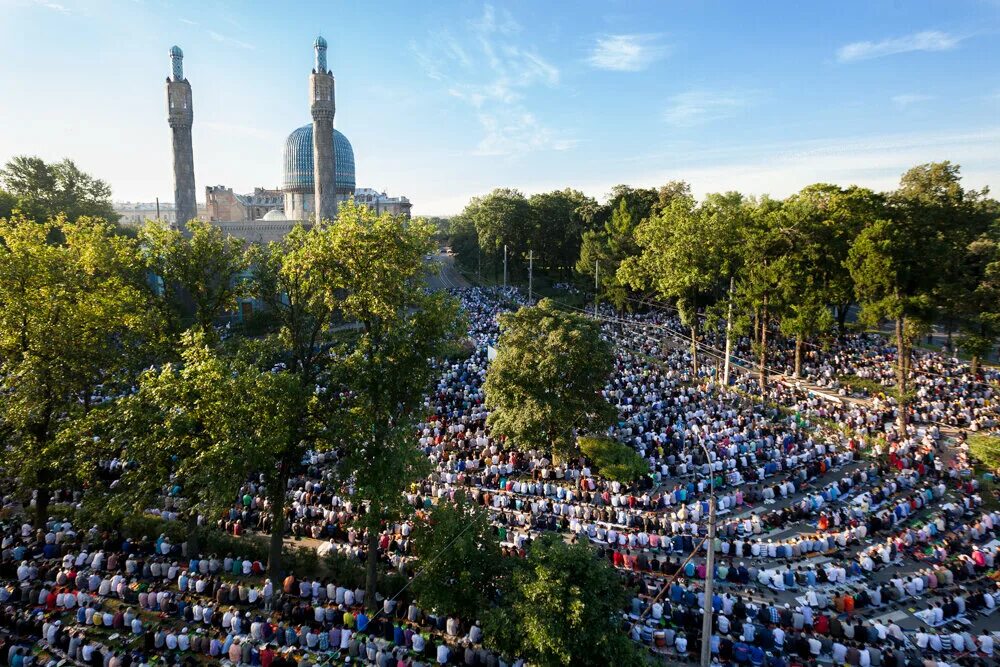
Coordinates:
(447, 102)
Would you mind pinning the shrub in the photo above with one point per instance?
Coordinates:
(614, 460)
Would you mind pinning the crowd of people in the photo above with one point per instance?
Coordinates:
(831, 525)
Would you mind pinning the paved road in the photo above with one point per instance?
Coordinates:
(444, 275)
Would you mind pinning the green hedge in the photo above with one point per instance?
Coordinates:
(614, 460)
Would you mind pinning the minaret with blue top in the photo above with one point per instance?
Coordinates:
(180, 117)
(323, 107)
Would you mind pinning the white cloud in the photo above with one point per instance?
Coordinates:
(225, 39)
(487, 68)
(696, 107)
(928, 40)
(626, 53)
(910, 99)
(54, 6)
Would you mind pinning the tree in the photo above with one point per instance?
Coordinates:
(73, 318)
(766, 267)
(979, 307)
(558, 227)
(614, 460)
(461, 568)
(502, 218)
(293, 278)
(900, 261)
(688, 254)
(602, 252)
(202, 272)
(545, 384)
(45, 190)
(376, 264)
(204, 424)
(561, 607)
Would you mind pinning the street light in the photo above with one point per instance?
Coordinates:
(706, 621)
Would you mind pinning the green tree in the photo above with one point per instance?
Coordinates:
(203, 424)
(979, 309)
(203, 273)
(562, 607)
(688, 254)
(461, 568)
(603, 250)
(502, 218)
(44, 190)
(899, 262)
(558, 227)
(294, 279)
(614, 460)
(545, 384)
(377, 267)
(73, 316)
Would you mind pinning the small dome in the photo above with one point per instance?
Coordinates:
(320, 43)
(175, 51)
(299, 161)
(274, 214)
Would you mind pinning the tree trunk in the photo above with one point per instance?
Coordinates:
(371, 568)
(842, 318)
(694, 353)
(193, 545)
(43, 494)
(974, 365)
(763, 347)
(277, 540)
(798, 355)
(902, 356)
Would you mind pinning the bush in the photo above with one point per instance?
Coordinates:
(614, 460)
(986, 448)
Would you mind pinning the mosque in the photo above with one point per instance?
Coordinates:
(318, 167)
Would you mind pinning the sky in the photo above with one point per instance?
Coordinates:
(449, 99)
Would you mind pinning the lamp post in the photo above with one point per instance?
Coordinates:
(706, 621)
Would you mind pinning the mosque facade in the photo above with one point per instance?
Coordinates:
(318, 168)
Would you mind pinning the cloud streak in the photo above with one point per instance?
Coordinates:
(697, 107)
(906, 100)
(626, 53)
(54, 6)
(232, 41)
(494, 75)
(928, 40)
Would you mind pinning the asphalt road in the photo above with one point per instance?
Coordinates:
(442, 272)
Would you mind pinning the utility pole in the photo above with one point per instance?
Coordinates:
(597, 284)
(706, 622)
(530, 270)
(505, 266)
(157, 209)
(479, 267)
(729, 336)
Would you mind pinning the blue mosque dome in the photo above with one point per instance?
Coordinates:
(299, 161)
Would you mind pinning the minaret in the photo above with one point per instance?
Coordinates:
(323, 107)
(180, 115)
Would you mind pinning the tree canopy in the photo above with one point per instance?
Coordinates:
(545, 384)
(43, 190)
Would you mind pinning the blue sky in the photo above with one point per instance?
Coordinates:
(446, 100)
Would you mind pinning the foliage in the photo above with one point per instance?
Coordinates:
(205, 267)
(986, 448)
(614, 460)
(377, 270)
(561, 607)
(501, 218)
(461, 567)
(688, 253)
(74, 317)
(603, 250)
(42, 190)
(557, 227)
(545, 384)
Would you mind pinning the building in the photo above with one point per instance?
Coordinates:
(223, 205)
(134, 213)
(380, 202)
(180, 117)
(317, 166)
